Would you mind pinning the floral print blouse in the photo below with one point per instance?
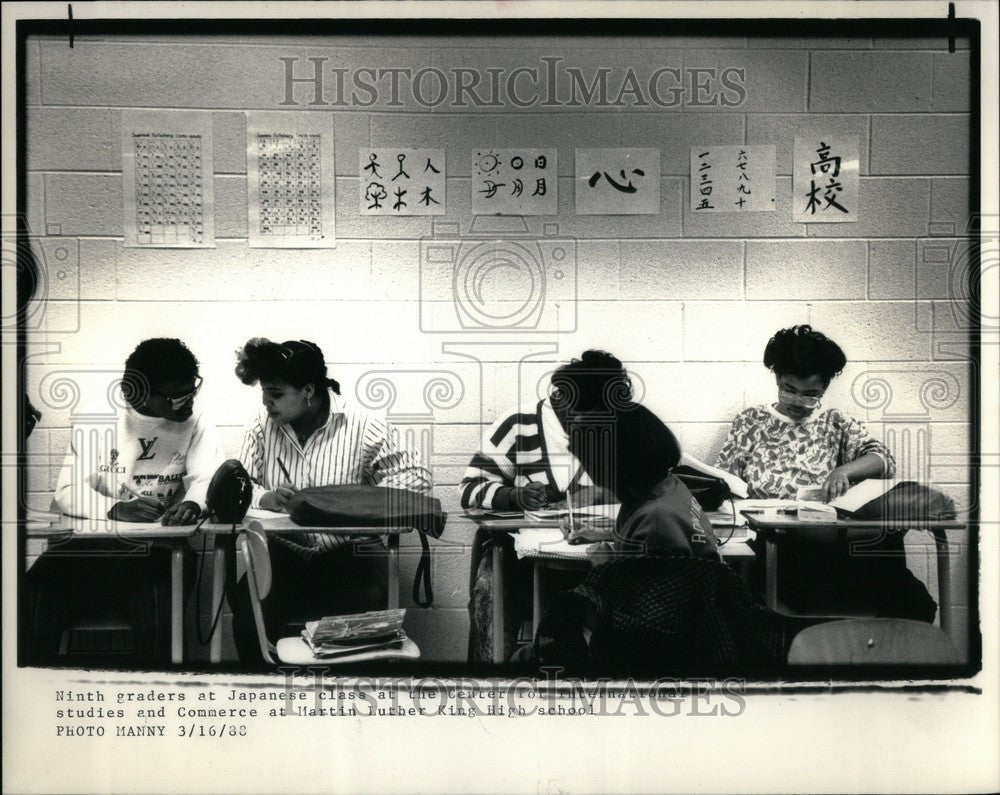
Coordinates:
(777, 455)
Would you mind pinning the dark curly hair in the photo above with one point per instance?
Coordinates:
(802, 352)
(597, 381)
(154, 362)
(295, 362)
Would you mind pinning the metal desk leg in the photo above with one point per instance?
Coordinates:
(770, 573)
(218, 582)
(177, 603)
(392, 598)
(536, 595)
(498, 616)
(944, 579)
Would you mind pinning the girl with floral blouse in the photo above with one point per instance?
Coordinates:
(794, 444)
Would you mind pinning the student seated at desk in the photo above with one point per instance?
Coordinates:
(789, 445)
(309, 435)
(529, 461)
(659, 515)
(156, 467)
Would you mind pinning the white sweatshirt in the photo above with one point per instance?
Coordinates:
(150, 458)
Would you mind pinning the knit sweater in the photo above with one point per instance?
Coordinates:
(521, 448)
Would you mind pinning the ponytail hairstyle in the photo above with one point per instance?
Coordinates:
(296, 362)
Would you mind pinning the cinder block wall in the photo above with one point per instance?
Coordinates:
(688, 302)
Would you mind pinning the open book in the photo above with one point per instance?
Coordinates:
(809, 507)
(737, 486)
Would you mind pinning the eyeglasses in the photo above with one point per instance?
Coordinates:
(793, 399)
(176, 401)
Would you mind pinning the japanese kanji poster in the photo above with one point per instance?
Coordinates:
(167, 179)
(402, 181)
(291, 183)
(732, 179)
(825, 180)
(514, 182)
(617, 181)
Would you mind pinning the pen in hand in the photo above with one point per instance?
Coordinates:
(284, 470)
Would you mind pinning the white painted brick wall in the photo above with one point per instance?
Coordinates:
(688, 302)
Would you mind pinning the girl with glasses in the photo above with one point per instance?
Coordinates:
(794, 444)
(155, 466)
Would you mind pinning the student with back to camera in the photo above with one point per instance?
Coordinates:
(658, 514)
(156, 467)
(790, 445)
(529, 461)
(307, 434)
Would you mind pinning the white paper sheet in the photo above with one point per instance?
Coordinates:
(167, 182)
(291, 181)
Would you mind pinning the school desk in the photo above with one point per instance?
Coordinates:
(775, 525)
(64, 528)
(541, 542)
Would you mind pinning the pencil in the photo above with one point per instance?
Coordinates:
(569, 507)
(288, 478)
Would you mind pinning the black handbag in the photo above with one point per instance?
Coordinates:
(709, 491)
(374, 507)
(229, 493)
(908, 501)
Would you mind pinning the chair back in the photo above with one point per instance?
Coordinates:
(252, 546)
(872, 641)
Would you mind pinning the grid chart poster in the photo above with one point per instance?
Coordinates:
(291, 182)
(617, 181)
(402, 182)
(732, 179)
(167, 179)
(514, 182)
(825, 180)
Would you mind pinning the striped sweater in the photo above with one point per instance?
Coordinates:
(521, 448)
(353, 446)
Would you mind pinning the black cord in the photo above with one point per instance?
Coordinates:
(423, 574)
(732, 530)
(204, 641)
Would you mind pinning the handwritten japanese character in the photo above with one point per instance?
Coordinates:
(401, 157)
(373, 164)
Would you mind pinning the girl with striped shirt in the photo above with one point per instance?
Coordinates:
(307, 434)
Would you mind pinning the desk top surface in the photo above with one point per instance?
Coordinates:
(784, 522)
(106, 528)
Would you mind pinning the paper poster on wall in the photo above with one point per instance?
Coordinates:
(732, 179)
(291, 183)
(617, 181)
(167, 179)
(402, 181)
(825, 180)
(514, 182)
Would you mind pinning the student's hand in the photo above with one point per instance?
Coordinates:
(836, 483)
(135, 511)
(531, 497)
(182, 513)
(277, 500)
